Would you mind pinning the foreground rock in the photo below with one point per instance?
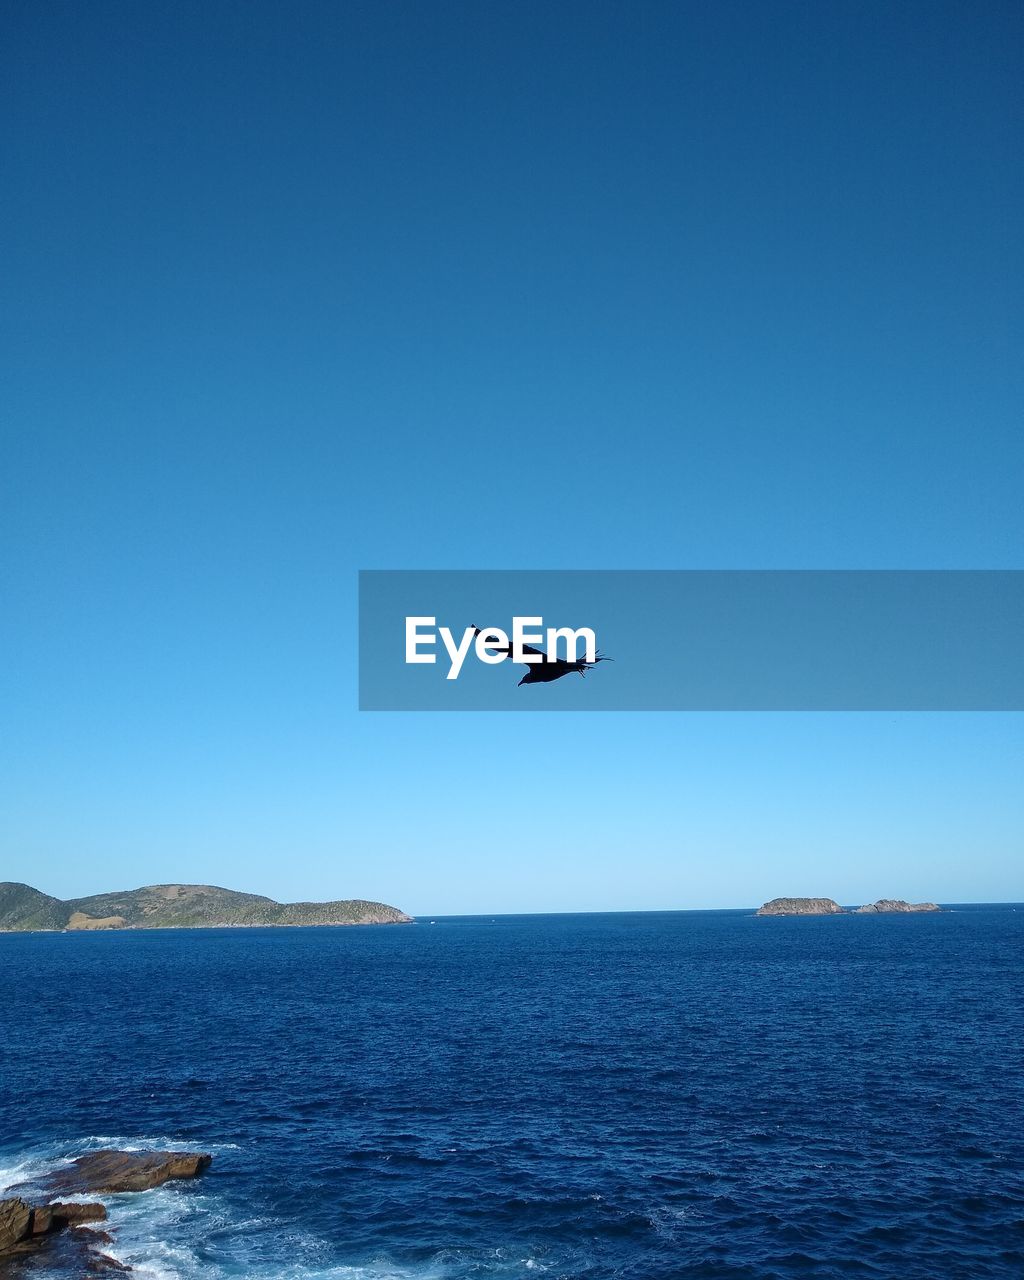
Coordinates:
(15, 1222)
(71, 1214)
(27, 1229)
(72, 1250)
(897, 904)
(800, 907)
(111, 1171)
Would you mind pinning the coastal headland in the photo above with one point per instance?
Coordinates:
(177, 906)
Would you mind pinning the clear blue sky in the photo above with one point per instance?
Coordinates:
(291, 291)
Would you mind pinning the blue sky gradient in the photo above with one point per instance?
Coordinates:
(294, 292)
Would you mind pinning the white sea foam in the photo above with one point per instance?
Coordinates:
(165, 1234)
(31, 1165)
(38, 1160)
(160, 1142)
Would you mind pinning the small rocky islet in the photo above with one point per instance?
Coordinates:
(36, 1223)
(829, 907)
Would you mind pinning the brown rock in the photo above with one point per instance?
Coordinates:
(896, 904)
(93, 1235)
(64, 1214)
(79, 920)
(70, 1248)
(74, 1253)
(42, 1220)
(15, 1222)
(126, 1170)
(800, 907)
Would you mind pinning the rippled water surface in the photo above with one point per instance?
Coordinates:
(635, 1096)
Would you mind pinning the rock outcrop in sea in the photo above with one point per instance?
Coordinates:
(896, 904)
(36, 1223)
(178, 906)
(800, 907)
(113, 1171)
(829, 907)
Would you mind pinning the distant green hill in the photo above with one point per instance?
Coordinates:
(177, 906)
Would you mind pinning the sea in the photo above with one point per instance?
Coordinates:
(643, 1096)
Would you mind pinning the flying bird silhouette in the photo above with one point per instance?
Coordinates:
(551, 668)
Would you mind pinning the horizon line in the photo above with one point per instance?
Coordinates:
(638, 911)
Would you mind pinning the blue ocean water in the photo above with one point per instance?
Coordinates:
(691, 1094)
